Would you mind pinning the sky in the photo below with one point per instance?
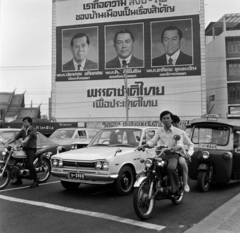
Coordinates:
(25, 45)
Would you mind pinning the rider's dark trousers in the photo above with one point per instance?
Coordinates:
(30, 159)
(172, 171)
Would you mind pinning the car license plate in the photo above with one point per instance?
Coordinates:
(76, 175)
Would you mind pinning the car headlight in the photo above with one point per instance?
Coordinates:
(148, 163)
(60, 163)
(105, 166)
(98, 165)
(55, 162)
(73, 147)
(205, 154)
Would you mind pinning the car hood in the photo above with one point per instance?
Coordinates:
(64, 141)
(92, 153)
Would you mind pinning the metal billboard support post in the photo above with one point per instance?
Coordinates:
(126, 90)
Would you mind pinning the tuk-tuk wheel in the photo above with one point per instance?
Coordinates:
(203, 181)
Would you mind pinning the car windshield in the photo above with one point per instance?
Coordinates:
(218, 135)
(63, 133)
(117, 137)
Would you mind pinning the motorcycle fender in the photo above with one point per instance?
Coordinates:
(139, 181)
(203, 167)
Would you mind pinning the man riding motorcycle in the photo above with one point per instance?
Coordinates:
(165, 136)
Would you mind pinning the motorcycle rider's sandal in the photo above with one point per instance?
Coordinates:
(17, 182)
(186, 188)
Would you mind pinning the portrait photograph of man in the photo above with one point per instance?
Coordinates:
(172, 43)
(124, 46)
(80, 49)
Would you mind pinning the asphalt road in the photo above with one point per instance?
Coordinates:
(96, 209)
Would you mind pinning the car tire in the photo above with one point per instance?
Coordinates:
(70, 185)
(124, 183)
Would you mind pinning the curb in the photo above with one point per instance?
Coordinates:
(225, 219)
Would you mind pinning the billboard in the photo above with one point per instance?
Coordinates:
(159, 40)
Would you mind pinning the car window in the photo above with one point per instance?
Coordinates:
(9, 134)
(91, 133)
(63, 133)
(111, 137)
(82, 133)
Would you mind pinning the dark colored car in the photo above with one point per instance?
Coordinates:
(44, 144)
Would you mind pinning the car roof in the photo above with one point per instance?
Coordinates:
(76, 128)
(133, 127)
(10, 129)
(230, 122)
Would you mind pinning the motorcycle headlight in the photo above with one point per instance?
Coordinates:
(105, 166)
(98, 165)
(148, 163)
(205, 154)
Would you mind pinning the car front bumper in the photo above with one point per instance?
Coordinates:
(89, 178)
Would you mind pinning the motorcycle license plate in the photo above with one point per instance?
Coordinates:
(76, 175)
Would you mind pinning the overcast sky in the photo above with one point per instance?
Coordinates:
(25, 45)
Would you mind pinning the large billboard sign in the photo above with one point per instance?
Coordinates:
(157, 38)
(154, 43)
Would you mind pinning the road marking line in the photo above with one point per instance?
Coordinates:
(24, 187)
(85, 212)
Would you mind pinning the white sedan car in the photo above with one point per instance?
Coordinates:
(111, 157)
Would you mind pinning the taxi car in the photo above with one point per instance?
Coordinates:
(110, 158)
(65, 137)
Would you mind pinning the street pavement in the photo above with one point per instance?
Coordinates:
(225, 219)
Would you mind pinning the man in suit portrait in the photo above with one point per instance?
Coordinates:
(172, 39)
(123, 44)
(79, 48)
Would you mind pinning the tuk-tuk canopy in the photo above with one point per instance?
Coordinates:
(215, 119)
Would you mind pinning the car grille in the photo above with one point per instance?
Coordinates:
(78, 164)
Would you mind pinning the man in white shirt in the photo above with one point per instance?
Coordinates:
(164, 136)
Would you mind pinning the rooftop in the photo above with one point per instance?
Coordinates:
(232, 23)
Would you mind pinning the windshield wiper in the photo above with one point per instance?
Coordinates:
(98, 145)
(122, 145)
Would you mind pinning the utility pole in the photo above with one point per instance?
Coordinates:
(125, 66)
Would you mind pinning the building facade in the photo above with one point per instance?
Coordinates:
(223, 66)
(104, 92)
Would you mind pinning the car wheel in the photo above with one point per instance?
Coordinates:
(69, 185)
(124, 183)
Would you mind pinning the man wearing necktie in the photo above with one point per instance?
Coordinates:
(123, 44)
(80, 44)
(172, 39)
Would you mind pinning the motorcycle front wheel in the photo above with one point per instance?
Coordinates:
(143, 205)
(4, 178)
(44, 172)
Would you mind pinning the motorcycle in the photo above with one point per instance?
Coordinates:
(153, 184)
(13, 165)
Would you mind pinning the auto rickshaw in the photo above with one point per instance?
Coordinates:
(216, 157)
